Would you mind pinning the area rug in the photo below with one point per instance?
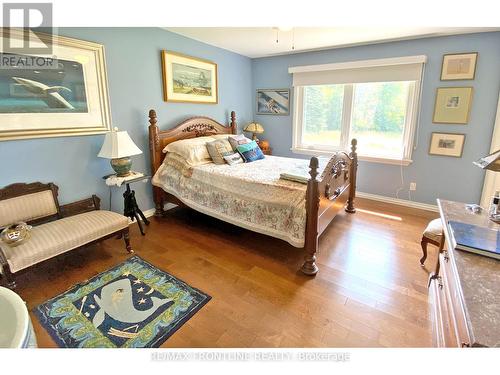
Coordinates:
(132, 305)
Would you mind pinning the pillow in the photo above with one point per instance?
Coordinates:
(220, 136)
(250, 151)
(193, 150)
(239, 139)
(218, 149)
(176, 160)
(179, 163)
(234, 158)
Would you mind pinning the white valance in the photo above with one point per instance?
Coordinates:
(408, 68)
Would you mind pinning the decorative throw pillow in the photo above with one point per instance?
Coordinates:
(237, 140)
(218, 149)
(234, 158)
(250, 151)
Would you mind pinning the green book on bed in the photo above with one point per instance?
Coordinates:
(296, 176)
(301, 173)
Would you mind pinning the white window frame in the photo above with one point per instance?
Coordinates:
(411, 118)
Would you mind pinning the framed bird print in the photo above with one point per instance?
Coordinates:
(63, 93)
(273, 101)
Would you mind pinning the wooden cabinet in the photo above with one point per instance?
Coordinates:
(265, 147)
(449, 325)
(269, 151)
(465, 307)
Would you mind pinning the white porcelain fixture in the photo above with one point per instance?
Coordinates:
(15, 325)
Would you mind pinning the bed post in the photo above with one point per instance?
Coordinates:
(312, 207)
(234, 126)
(353, 174)
(155, 155)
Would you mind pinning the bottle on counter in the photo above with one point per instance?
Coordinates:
(494, 206)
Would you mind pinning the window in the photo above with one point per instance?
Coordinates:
(376, 104)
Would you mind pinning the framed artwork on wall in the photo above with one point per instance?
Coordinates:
(452, 105)
(188, 79)
(447, 144)
(64, 93)
(273, 102)
(459, 66)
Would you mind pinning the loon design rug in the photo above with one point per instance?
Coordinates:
(132, 305)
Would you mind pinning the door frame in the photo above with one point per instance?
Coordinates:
(492, 179)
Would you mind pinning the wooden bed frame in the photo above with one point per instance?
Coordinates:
(326, 195)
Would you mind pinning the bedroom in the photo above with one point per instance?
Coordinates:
(271, 263)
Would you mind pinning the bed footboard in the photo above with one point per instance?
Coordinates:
(325, 197)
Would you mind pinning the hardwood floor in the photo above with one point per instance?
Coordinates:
(370, 290)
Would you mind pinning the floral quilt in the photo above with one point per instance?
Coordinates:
(250, 195)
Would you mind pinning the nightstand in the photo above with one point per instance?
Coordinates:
(130, 207)
(264, 146)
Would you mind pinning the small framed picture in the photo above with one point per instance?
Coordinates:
(273, 101)
(447, 144)
(459, 66)
(452, 105)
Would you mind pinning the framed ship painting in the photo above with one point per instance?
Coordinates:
(273, 101)
(188, 79)
(64, 93)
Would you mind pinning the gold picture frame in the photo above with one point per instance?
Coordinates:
(459, 66)
(447, 144)
(188, 79)
(452, 105)
(66, 98)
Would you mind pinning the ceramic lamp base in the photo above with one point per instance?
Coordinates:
(254, 137)
(121, 166)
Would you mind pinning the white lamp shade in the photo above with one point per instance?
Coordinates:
(118, 144)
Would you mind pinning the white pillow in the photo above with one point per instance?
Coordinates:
(233, 159)
(193, 150)
(220, 136)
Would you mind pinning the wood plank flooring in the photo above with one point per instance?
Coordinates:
(370, 290)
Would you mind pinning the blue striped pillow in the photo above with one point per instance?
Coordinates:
(250, 151)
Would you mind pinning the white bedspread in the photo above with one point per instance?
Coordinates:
(249, 195)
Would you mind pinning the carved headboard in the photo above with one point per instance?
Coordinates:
(190, 128)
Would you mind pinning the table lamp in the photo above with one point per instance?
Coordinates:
(119, 147)
(255, 128)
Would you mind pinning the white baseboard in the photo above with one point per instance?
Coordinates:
(400, 202)
(151, 211)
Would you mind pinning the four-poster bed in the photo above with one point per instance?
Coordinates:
(326, 194)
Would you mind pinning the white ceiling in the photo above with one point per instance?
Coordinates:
(261, 41)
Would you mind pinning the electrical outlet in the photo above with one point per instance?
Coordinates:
(413, 186)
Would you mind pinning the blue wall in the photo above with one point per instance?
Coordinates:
(436, 176)
(134, 76)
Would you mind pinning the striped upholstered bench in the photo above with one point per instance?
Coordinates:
(56, 229)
